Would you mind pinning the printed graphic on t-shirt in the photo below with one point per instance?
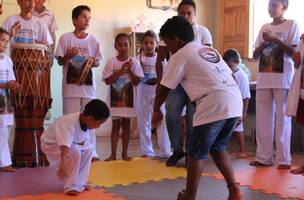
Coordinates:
(209, 55)
(24, 36)
(5, 104)
(122, 92)
(272, 57)
(75, 70)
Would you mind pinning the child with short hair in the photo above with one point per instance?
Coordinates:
(208, 81)
(48, 17)
(233, 59)
(7, 82)
(177, 99)
(66, 144)
(145, 99)
(78, 52)
(26, 28)
(274, 48)
(122, 73)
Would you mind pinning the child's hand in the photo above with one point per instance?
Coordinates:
(13, 85)
(302, 38)
(157, 117)
(71, 52)
(127, 66)
(268, 37)
(296, 57)
(15, 28)
(62, 172)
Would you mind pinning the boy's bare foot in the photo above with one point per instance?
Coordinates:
(241, 155)
(182, 195)
(282, 166)
(7, 169)
(87, 187)
(256, 163)
(95, 159)
(72, 192)
(299, 170)
(146, 156)
(111, 158)
(126, 158)
(234, 191)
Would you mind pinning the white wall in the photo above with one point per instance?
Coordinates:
(107, 17)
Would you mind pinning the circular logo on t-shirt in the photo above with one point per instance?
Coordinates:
(209, 55)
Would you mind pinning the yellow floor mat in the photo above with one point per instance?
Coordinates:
(139, 170)
(92, 194)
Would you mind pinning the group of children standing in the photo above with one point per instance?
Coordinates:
(213, 109)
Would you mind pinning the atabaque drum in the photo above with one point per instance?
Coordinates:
(32, 70)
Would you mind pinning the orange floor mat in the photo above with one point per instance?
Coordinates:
(99, 194)
(270, 180)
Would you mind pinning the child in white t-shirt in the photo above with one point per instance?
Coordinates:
(7, 82)
(122, 73)
(66, 144)
(74, 52)
(177, 99)
(233, 59)
(145, 99)
(26, 28)
(48, 17)
(274, 47)
(208, 82)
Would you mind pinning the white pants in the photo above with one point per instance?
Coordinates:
(77, 104)
(144, 107)
(5, 157)
(271, 122)
(78, 166)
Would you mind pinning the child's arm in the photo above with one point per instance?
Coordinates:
(257, 51)
(128, 68)
(62, 171)
(11, 85)
(69, 54)
(245, 108)
(268, 37)
(111, 79)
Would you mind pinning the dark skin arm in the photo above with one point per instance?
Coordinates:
(160, 98)
(69, 54)
(161, 55)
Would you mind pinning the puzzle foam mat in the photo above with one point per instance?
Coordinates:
(139, 170)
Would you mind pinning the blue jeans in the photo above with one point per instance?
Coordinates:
(211, 137)
(175, 103)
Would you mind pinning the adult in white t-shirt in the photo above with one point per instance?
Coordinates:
(274, 47)
(26, 28)
(175, 107)
(73, 51)
(67, 146)
(208, 82)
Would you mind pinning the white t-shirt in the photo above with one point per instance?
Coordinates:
(120, 91)
(87, 47)
(208, 82)
(6, 74)
(49, 18)
(201, 35)
(242, 81)
(66, 131)
(31, 31)
(148, 65)
(279, 74)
